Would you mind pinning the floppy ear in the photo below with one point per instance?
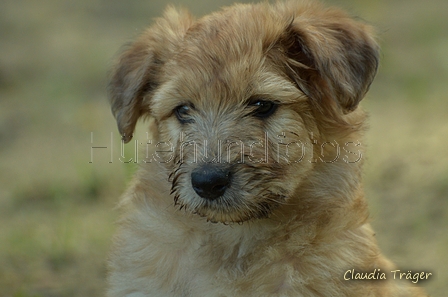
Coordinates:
(332, 58)
(138, 70)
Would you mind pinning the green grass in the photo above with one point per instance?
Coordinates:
(57, 210)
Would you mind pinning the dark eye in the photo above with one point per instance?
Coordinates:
(264, 108)
(182, 113)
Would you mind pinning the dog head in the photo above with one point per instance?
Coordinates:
(243, 94)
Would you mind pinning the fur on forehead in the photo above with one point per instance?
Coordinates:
(223, 57)
(232, 89)
(324, 53)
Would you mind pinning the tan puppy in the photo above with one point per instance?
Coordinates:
(253, 185)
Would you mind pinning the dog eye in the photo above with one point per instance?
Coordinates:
(182, 113)
(264, 108)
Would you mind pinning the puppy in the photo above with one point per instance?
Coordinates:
(253, 185)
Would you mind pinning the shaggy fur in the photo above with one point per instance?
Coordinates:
(267, 94)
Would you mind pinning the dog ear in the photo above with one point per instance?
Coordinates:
(332, 58)
(138, 70)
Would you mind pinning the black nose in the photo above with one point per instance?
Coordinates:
(209, 181)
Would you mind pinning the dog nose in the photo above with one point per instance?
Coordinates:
(210, 182)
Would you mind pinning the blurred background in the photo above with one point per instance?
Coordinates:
(57, 200)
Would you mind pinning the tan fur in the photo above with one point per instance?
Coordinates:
(294, 218)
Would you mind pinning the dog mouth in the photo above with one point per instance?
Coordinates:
(218, 194)
(225, 194)
(227, 210)
(226, 215)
